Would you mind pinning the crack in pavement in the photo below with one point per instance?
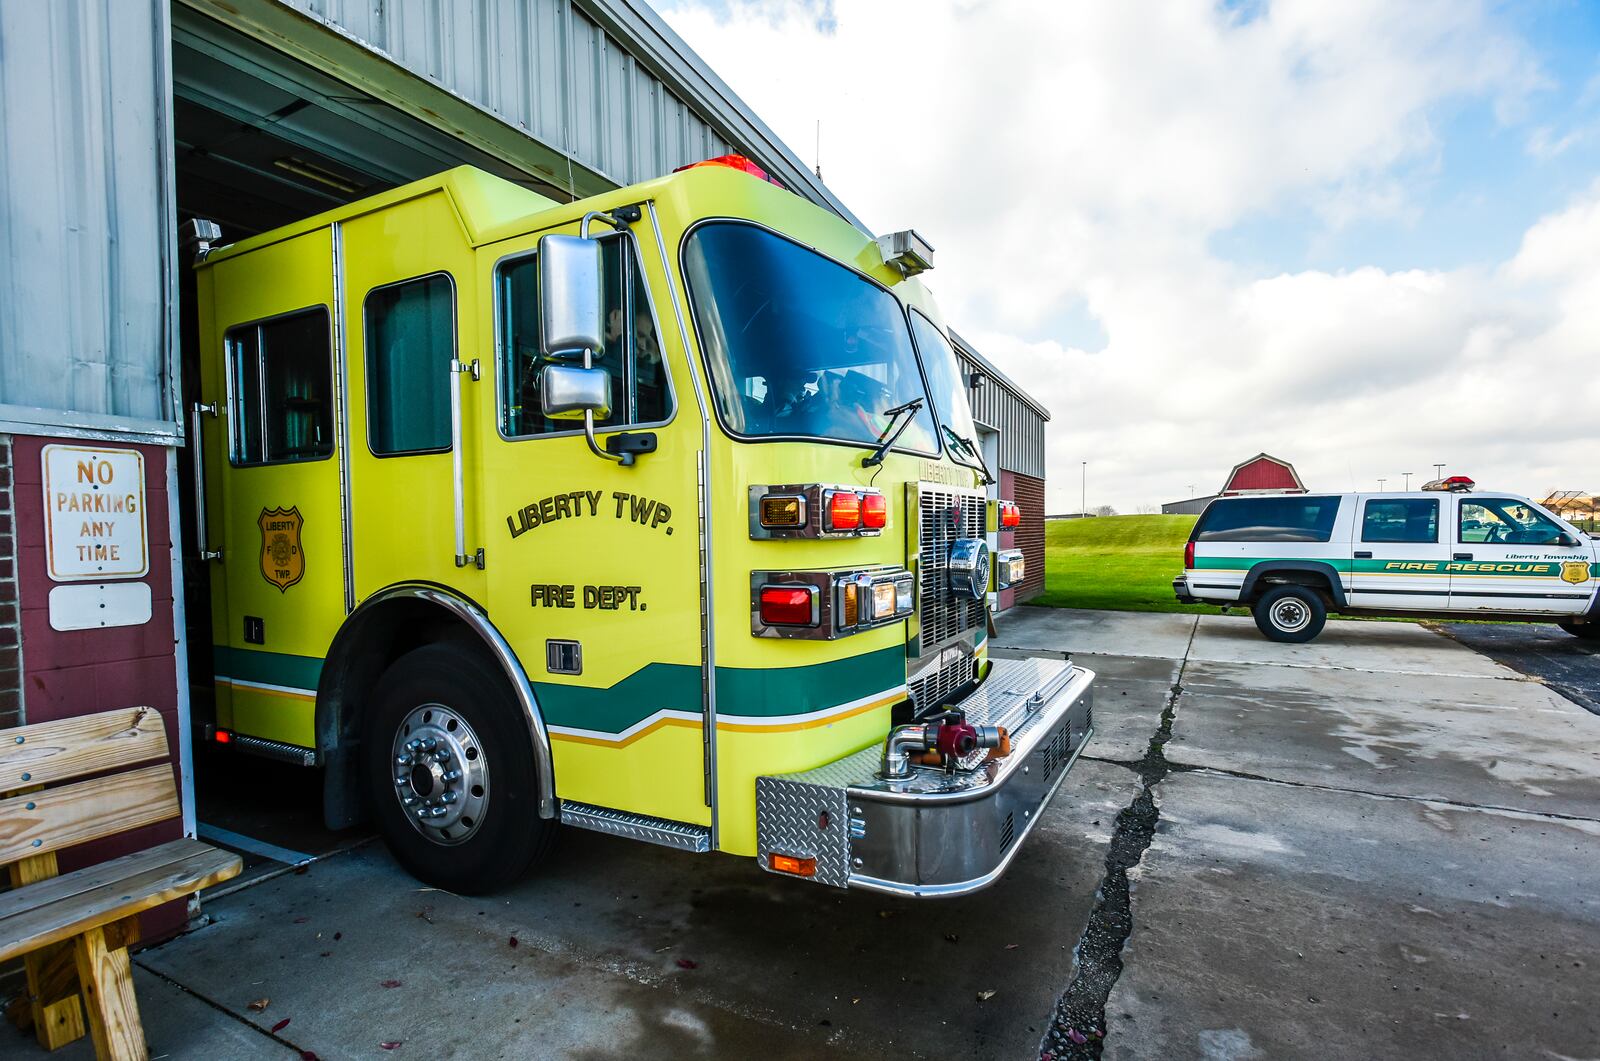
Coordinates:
(220, 1008)
(1446, 801)
(1077, 1028)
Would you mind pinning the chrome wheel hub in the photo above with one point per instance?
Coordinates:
(441, 774)
(1290, 616)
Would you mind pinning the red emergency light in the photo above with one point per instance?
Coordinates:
(843, 510)
(874, 511)
(788, 605)
(1010, 515)
(222, 736)
(738, 162)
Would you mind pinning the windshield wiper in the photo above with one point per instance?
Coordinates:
(962, 442)
(876, 458)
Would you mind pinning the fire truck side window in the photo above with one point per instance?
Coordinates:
(630, 347)
(281, 378)
(410, 341)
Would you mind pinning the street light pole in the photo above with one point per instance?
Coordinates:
(1408, 479)
(1083, 495)
(1438, 470)
(1380, 484)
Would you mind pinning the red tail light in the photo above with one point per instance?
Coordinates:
(788, 605)
(1010, 515)
(1188, 555)
(222, 736)
(874, 511)
(738, 162)
(844, 510)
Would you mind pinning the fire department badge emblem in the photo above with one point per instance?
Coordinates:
(283, 563)
(1575, 571)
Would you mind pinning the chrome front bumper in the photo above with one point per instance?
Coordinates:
(936, 833)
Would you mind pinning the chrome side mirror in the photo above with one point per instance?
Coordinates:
(567, 392)
(569, 297)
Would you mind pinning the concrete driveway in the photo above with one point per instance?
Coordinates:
(1382, 844)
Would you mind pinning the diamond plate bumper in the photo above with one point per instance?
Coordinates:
(936, 833)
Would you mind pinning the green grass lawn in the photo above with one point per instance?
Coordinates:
(1124, 563)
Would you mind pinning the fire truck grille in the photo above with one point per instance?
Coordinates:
(944, 516)
(942, 685)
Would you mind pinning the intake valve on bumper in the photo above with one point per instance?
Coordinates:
(942, 740)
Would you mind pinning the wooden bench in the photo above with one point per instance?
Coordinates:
(75, 928)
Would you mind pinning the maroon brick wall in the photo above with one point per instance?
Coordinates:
(1028, 493)
(10, 610)
(79, 672)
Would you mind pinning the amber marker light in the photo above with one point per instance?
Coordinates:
(800, 867)
(783, 510)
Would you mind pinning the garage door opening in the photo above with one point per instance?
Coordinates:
(262, 141)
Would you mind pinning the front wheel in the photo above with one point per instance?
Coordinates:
(450, 772)
(1291, 614)
(1589, 631)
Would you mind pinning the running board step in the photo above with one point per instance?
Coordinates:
(681, 835)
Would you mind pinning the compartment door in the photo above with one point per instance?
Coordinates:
(272, 457)
(415, 448)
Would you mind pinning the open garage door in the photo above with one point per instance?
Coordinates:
(261, 139)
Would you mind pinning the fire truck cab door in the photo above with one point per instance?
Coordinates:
(411, 340)
(272, 457)
(595, 567)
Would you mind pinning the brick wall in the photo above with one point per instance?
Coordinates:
(11, 713)
(1028, 493)
(79, 672)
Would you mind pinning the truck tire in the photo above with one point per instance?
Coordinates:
(1589, 631)
(450, 774)
(1291, 614)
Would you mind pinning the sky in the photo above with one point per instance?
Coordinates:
(1360, 235)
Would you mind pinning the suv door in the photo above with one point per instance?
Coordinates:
(1511, 556)
(1400, 553)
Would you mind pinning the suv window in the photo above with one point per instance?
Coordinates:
(1502, 520)
(282, 372)
(410, 339)
(630, 350)
(1287, 518)
(1401, 519)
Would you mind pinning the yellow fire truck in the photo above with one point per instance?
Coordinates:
(658, 513)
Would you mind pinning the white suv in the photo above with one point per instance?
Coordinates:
(1443, 552)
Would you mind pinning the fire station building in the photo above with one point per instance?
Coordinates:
(120, 120)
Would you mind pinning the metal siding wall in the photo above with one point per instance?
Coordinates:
(543, 66)
(1021, 429)
(84, 267)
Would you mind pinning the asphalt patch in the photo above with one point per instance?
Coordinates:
(1569, 665)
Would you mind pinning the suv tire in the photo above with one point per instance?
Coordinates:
(1291, 614)
(1589, 631)
(472, 824)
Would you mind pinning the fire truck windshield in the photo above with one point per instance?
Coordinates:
(949, 392)
(798, 345)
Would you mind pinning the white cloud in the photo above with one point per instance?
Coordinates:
(1067, 156)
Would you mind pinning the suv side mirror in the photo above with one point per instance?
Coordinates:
(569, 297)
(568, 392)
(1568, 540)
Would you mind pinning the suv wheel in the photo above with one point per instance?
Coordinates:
(1292, 614)
(450, 776)
(1587, 631)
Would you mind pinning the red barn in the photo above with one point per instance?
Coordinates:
(1263, 474)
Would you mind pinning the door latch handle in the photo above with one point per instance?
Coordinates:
(1364, 556)
(1461, 556)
